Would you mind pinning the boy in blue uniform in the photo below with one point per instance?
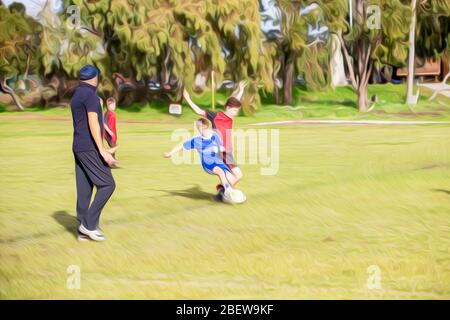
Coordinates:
(210, 147)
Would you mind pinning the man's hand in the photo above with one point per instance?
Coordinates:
(167, 154)
(112, 150)
(108, 158)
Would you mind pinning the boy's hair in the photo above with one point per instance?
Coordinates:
(203, 122)
(110, 100)
(233, 102)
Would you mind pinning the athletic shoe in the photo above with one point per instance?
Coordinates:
(82, 237)
(96, 234)
(226, 195)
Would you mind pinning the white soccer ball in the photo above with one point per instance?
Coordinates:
(234, 196)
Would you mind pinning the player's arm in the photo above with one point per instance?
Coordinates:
(173, 151)
(219, 143)
(238, 93)
(109, 130)
(113, 124)
(194, 107)
(94, 127)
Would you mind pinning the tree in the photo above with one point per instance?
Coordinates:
(170, 41)
(294, 53)
(66, 47)
(17, 47)
(429, 33)
(412, 55)
(378, 35)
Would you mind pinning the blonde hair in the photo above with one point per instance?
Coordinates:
(202, 122)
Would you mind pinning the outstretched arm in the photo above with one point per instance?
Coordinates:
(174, 150)
(194, 107)
(240, 90)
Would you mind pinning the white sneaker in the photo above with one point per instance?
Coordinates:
(227, 195)
(96, 234)
(82, 237)
(234, 196)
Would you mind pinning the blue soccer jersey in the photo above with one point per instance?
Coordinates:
(209, 151)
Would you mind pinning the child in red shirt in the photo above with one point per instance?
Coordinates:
(109, 120)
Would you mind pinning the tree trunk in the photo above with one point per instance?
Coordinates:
(410, 99)
(363, 99)
(8, 90)
(288, 76)
(275, 93)
(275, 74)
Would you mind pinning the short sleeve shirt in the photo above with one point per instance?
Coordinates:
(208, 148)
(223, 125)
(84, 100)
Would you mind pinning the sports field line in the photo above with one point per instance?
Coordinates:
(350, 122)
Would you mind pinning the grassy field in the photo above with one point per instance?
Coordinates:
(344, 198)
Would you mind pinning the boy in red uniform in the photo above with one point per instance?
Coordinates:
(109, 120)
(222, 122)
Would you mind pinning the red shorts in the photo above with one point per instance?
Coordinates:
(228, 159)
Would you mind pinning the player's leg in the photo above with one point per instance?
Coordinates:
(231, 178)
(237, 175)
(100, 175)
(223, 178)
(84, 194)
(84, 191)
(228, 159)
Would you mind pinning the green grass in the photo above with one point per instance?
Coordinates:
(344, 198)
(328, 104)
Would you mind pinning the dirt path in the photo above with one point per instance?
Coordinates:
(288, 122)
(69, 119)
(348, 122)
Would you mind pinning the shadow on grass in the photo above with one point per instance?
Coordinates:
(443, 191)
(69, 222)
(192, 193)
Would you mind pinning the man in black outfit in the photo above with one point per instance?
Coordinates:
(92, 161)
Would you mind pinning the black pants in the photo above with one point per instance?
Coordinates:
(90, 171)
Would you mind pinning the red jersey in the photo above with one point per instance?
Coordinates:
(110, 120)
(223, 125)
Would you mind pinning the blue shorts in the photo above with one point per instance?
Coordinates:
(209, 167)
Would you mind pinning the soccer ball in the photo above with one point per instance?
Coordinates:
(234, 196)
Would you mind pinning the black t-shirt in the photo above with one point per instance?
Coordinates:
(84, 100)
